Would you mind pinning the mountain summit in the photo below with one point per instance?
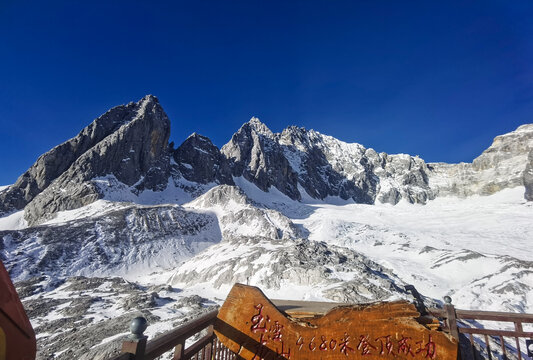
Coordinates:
(130, 144)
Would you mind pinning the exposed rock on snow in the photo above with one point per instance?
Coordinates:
(255, 154)
(122, 241)
(238, 216)
(528, 178)
(200, 161)
(136, 153)
(330, 272)
(324, 166)
(499, 167)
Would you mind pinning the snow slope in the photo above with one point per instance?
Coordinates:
(475, 249)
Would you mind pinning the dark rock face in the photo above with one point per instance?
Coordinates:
(136, 153)
(200, 161)
(129, 144)
(52, 164)
(318, 175)
(324, 166)
(254, 153)
(528, 178)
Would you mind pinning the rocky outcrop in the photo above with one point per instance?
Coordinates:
(200, 161)
(528, 178)
(53, 163)
(136, 153)
(146, 235)
(129, 145)
(329, 167)
(255, 154)
(238, 216)
(324, 166)
(501, 166)
(336, 273)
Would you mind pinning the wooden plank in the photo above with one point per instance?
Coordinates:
(178, 351)
(197, 346)
(135, 347)
(301, 309)
(472, 347)
(451, 320)
(485, 315)
(494, 316)
(502, 341)
(491, 332)
(169, 340)
(488, 347)
(253, 328)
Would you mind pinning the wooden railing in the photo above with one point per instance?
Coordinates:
(207, 347)
(455, 321)
(465, 322)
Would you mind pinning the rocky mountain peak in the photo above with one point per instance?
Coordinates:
(256, 125)
(515, 143)
(55, 162)
(129, 142)
(255, 154)
(199, 160)
(502, 165)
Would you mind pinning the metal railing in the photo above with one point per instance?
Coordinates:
(466, 322)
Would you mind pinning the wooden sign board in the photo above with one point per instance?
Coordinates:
(252, 327)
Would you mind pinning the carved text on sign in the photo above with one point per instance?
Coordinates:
(251, 326)
(382, 345)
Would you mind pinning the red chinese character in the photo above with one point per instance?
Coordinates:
(300, 342)
(404, 347)
(261, 350)
(284, 353)
(275, 329)
(259, 319)
(344, 348)
(430, 348)
(386, 345)
(365, 345)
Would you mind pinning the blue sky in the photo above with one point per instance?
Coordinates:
(437, 79)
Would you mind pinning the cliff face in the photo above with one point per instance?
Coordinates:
(528, 178)
(129, 142)
(55, 162)
(501, 166)
(299, 159)
(200, 161)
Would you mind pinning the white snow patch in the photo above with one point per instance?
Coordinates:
(14, 221)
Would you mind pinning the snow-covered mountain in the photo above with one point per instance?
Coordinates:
(117, 220)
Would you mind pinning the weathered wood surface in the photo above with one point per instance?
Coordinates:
(251, 326)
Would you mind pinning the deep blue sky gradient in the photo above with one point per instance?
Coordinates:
(437, 79)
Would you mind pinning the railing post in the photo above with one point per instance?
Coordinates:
(179, 351)
(136, 343)
(451, 317)
(209, 347)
